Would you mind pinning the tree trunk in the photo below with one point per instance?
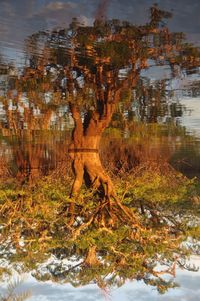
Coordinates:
(91, 257)
(84, 151)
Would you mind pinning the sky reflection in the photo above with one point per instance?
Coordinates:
(26, 17)
(188, 291)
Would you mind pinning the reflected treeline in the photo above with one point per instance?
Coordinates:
(99, 226)
(92, 67)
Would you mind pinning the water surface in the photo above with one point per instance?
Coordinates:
(99, 148)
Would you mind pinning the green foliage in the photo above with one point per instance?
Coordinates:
(162, 285)
(125, 241)
(160, 187)
(154, 187)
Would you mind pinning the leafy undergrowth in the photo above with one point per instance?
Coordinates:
(155, 210)
(160, 186)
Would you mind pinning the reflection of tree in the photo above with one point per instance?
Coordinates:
(115, 228)
(86, 139)
(27, 122)
(187, 161)
(88, 67)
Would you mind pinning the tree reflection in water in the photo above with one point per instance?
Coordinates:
(109, 230)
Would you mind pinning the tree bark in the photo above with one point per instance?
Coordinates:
(84, 151)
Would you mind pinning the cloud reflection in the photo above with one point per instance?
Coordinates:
(21, 18)
(189, 291)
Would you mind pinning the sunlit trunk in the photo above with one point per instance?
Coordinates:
(84, 151)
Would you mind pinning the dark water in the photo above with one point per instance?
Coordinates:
(106, 93)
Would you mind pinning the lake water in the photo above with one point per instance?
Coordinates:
(100, 149)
